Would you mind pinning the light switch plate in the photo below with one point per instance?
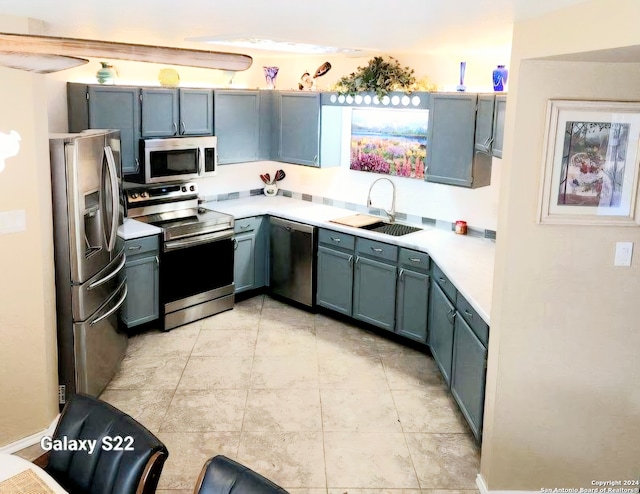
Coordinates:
(624, 251)
(13, 221)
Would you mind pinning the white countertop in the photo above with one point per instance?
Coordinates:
(136, 229)
(467, 261)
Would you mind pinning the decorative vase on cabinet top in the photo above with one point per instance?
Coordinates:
(500, 75)
(107, 74)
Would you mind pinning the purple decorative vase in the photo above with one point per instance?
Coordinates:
(461, 86)
(270, 74)
(500, 75)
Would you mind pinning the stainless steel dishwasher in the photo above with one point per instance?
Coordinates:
(292, 260)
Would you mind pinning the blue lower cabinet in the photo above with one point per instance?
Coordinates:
(442, 314)
(374, 292)
(335, 280)
(143, 296)
(469, 374)
(412, 305)
(244, 265)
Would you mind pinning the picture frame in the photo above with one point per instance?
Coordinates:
(590, 163)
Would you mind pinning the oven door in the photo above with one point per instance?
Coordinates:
(196, 269)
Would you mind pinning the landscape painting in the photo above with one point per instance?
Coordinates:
(593, 164)
(389, 141)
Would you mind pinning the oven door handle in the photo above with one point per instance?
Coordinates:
(197, 240)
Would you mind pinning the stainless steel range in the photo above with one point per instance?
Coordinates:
(196, 262)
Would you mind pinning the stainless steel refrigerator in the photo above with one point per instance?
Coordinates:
(89, 258)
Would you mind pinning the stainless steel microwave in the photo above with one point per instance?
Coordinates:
(176, 159)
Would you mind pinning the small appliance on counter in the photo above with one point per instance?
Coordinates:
(89, 258)
(197, 253)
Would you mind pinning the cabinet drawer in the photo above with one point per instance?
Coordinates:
(376, 250)
(143, 245)
(445, 284)
(336, 239)
(413, 260)
(247, 224)
(479, 327)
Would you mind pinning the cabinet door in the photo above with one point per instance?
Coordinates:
(468, 375)
(117, 108)
(484, 123)
(335, 280)
(412, 305)
(298, 127)
(261, 255)
(441, 325)
(451, 135)
(196, 112)
(374, 292)
(498, 125)
(244, 261)
(159, 112)
(142, 303)
(237, 124)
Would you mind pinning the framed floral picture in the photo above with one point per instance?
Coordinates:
(590, 168)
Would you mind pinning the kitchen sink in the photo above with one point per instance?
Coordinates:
(394, 229)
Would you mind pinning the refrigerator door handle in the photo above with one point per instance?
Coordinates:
(113, 175)
(102, 281)
(113, 309)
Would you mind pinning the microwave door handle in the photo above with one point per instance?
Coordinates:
(115, 202)
(201, 161)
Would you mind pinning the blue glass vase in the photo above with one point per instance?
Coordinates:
(500, 75)
(461, 86)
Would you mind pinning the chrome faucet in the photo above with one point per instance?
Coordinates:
(391, 214)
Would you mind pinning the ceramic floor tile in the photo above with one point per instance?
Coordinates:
(232, 319)
(291, 316)
(374, 491)
(272, 303)
(188, 453)
(149, 373)
(293, 459)
(444, 461)
(287, 410)
(285, 372)
(368, 460)
(359, 410)
(412, 371)
(294, 490)
(429, 409)
(355, 372)
(225, 342)
(216, 410)
(147, 406)
(388, 347)
(336, 339)
(284, 339)
(450, 491)
(250, 304)
(161, 344)
(208, 373)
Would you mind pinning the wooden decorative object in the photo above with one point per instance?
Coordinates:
(72, 47)
(42, 63)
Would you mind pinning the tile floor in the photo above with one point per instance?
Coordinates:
(314, 404)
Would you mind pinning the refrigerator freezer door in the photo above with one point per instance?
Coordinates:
(98, 346)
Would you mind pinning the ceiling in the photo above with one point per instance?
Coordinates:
(402, 26)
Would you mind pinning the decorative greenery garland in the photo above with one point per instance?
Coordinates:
(382, 76)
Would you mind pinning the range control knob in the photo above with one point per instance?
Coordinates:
(184, 188)
(134, 195)
(192, 188)
(144, 194)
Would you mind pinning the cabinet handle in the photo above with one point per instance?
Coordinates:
(235, 243)
(157, 261)
(137, 165)
(183, 128)
(336, 240)
(376, 249)
(451, 315)
(315, 159)
(244, 227)
(350, 261)
(415, 259)
(175, 129)
(468, 313)
(442, 280)
(357, 261)
(134, 247)
(401, 275)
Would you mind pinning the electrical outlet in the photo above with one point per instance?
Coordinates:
(624, 251)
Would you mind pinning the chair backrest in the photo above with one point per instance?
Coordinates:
(222, 475)
(127, 459)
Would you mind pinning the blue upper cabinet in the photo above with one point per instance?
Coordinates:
(173, 112)
(452, 157)
(484, 123)
(237, 125)
(108, 107)
(498, 125)
(296, 127)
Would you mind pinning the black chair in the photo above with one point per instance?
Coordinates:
(221, 475)
(108, 470)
